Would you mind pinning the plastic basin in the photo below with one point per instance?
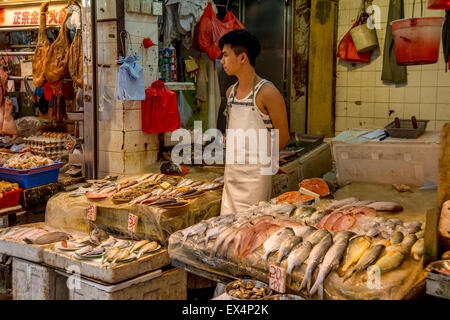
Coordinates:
(417, 40)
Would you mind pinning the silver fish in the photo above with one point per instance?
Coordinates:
(273, 243)
(340, 203)
(48, 238)
(83, 251)
(286, 247)
(331, 260)
(303, 231)
(316, 257)
(396, 237)
(96, 251)
(315, 218)
(221, 239)
(197, 229)
(297, 256)
(212, 233)
(316, 236)
(121, 244)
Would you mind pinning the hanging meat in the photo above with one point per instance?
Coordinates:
(76, 59)
(56, 65)
(3, 91)
(9, 126)
(57, 103)
(40, 54)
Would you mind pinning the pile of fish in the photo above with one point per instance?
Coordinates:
(34, 235)
(290, 243)
(99, 245)
(155, 189)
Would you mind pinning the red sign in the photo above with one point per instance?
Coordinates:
(132, 222)
(29, 16)
(277, 279)
(92, 212)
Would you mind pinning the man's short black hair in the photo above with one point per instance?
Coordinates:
(242, 41)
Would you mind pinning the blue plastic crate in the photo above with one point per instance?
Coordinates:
(31, 180)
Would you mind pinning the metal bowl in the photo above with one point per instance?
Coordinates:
(255, 283)
(439, 266)
(283, 297)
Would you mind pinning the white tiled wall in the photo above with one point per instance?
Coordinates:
(123, 147)
(364, 101)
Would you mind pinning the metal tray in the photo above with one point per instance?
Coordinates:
(406, 129)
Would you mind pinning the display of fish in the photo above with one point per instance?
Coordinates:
(356, 248)
(139, 199)
(286, 247)
(212, 233)
(146, 248)
(367, 259)
(83, 251)
(297, 256)
(340, 203)
(315, 218)
(331, 261)
(139, 244)
(221, 239)
(50, 237)
(121, 244)
(315, 258)
(96, 251)
(108, 243)
(417, 250)
(261, 231)
(240, 236)
(303, 231)
(273, 243)
(121, 255)
(396, 237)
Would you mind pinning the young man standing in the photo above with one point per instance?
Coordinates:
(254, 106)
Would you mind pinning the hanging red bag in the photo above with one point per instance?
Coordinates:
(159, 109)
(229, 16)
(347, 50)
(209, 30)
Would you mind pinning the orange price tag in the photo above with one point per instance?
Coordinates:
(132, 222)
(277, 278)
(92, 212)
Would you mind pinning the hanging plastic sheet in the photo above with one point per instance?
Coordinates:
(130, 79)
(184, 109)
(106, 102)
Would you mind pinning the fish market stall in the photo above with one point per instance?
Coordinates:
(367, 243)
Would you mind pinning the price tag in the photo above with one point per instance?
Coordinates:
(132, 222)
(277, 279)
(92, 212)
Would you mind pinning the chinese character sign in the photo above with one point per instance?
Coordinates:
(29, 16)
(132, 223)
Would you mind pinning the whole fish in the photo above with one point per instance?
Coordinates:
(316, 256)
(109, 255)
(139, 245)
(197, 229)
(121, 255)
(273, 243)
(9, 231)
(386, 263)
(417, 249)
(286, 247)
(139, 199)
(121, 244)
(109, 243)
(303, 231)
(420, 234)
(96, 251)
(396, 237)
(331, 260)
(212, 233)
(340, 203)
(221, 238)
(48, 238)
(261, 232)
(297, 256)
(83, 251)
(356, 248)
(148, 247)
(315, 218)
(367, 259)
(316, 236)
(409, 241)
(240, 237)
(386, 206)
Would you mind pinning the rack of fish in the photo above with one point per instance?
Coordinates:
(279, 234)
(98, 246)
(151, 189)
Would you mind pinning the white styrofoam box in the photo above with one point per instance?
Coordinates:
(155, 285)
(31, 281)
(157, 8)
(387, 162)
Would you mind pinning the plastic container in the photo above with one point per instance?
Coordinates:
(417, 40)
(406, 129)
(38, 169)
(364, 38)
(34, 179)
(439, 4)
(10, 199)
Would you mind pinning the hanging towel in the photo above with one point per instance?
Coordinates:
(130, 79)
(392, 72)
(446, 39)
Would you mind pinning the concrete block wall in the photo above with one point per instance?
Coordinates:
(123, 147)
(364, 101)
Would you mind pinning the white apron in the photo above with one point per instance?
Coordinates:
(244, 185)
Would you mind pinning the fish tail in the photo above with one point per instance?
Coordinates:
(266, 255)
(316, 285)
(349, 274)
(306, 279)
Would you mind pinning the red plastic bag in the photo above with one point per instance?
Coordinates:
(347, 50)
(209, 30)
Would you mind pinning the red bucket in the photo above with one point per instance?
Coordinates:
(439, 4)
(417, 40)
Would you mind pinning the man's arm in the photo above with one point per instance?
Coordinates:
(273, 102)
